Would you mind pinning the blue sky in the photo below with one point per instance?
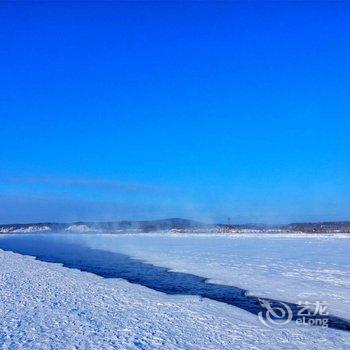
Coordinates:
(205, 110)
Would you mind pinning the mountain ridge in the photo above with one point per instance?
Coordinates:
(173, 224)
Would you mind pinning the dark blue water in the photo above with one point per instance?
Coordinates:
(117, 265)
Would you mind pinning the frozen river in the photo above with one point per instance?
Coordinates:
(193, 272)
(238, 268)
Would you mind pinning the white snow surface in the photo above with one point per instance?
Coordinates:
(289, 267)
(26, 229)
(47, 306)
(80, 228)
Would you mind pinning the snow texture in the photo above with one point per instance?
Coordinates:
(47, 306)
(288, 267)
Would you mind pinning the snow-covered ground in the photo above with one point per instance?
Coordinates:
(47, 306)
(26, 229)
(290, 267)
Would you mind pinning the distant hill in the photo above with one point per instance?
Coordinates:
(331, 226)
(112, 226)
(173, 224)
(307, 227)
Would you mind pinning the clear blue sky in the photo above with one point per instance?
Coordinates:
(148, 110)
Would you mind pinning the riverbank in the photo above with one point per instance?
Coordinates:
(45, 305)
